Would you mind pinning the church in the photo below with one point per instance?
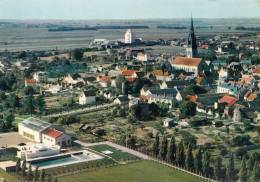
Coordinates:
(191, 63)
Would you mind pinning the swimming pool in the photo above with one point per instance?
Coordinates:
(64, 159)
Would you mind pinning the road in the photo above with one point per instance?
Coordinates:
(82, 110)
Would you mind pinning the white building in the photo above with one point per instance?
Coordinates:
(32, 129)
(40, 77)
(52, 137)
(143, 57)
(129, 37)
(87, 97)
(31, 151)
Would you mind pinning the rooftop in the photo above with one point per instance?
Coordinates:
(186, 61)
(35, 124)
(51, 132)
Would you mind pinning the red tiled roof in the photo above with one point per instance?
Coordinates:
(230, 101)
(186, 61)
(128, 72)
(104, 78)
(131, 79)
(256, 70)
(51, 132)
(192, 98)
(30, 81)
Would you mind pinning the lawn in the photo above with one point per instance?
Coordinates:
(117, 154)
(143, 171)
(7, 177)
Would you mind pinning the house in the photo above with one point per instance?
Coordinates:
(32, 151)
(122, 99)
(53, 89)
(143, 57)
(250, 96)
(30, 82)
(130, 74)
(40, 77)
(223, 74)
(168, 122)
(256, 71)
(175, 83)
(53, 137)
(106, 81)
(32, 129)
(73, 80)
(227, 100)
(87, 98)
(161, 75)
(230, 88)
(190, 65)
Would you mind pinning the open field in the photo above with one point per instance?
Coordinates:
(22, 37)
(144, 171)
(7, 177)
(11, 139)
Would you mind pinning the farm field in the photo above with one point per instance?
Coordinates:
(144, 171)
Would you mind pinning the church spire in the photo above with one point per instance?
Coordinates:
(192, 50)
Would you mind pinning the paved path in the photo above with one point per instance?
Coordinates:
(82, 110)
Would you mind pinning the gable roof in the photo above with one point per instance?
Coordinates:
(89, 93)
(51, 132)
(230, 101)
(35, 124)
(186, 61)
(128, 72)
(160, 73)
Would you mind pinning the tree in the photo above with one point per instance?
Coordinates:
(156, 145)
(206, 164)
(49, 178)
(218, 169)
(198, 161)
(36, 174)
(171, 152)
(9, 118)
(187, 109)
(163, 148)
(29, 104)
(242, 175)
(24, 169)
(56, 180)
(29, 175)
(256, 172)
(18, 166)
(230, 171)
(252, 159)
(77, 54)
(180, 154)
(40, 103)
(13, 100)
(189, 162)
(42, 176)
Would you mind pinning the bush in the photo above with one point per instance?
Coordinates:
(241, 140)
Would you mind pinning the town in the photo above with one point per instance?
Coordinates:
(189, 107)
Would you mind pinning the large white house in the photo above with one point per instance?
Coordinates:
(32, 129)
(40, 131)
(87, 97)
(40, 76)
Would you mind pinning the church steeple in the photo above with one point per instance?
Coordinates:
(192, 49)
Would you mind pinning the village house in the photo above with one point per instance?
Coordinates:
(40, 77)
(53, 137)
(106, 81)
(122, 99)
(30, 82)
(87, 98)
(168, 122)
(161, 75)
(175, 83)
(143, 57)
(73, 80)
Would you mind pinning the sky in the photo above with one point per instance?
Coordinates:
(127, 9)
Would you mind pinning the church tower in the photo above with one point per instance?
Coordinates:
(192, 49)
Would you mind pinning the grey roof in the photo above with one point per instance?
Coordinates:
(89, 93)
(35, 124)
(172, 92)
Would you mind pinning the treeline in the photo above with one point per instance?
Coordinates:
(198, 159)
(60, 29)
(26, 173)
(248, 28)
(171, 27)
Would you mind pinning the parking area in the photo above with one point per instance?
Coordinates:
(11, 139)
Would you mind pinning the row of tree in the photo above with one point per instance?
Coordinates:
(200, 161)
(28, 175)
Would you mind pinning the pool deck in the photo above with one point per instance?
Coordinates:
(90, 157)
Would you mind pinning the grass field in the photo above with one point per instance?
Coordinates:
(117, 154)
(144, 171)
(7, 177)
